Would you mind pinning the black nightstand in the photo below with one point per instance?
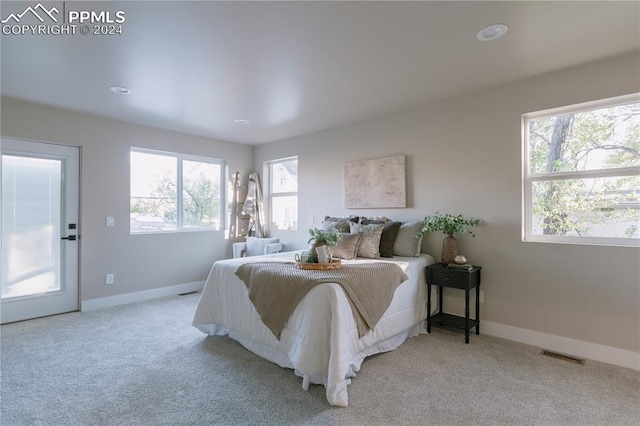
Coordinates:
(438, 274)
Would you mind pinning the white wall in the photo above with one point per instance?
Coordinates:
(463, 156)
(139, 262)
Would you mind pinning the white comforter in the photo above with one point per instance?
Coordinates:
(320, 341)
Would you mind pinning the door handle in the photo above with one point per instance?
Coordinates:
(70, 238)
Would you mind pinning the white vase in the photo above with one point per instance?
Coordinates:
(324, 255)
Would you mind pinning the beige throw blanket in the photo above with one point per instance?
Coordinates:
(276, 288)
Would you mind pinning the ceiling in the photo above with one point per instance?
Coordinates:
(292, 68)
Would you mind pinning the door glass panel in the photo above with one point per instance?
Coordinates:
(31, 221)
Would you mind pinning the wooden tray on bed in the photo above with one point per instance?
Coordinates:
(334, 264)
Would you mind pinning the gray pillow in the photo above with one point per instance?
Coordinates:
(347, 247)
(370, 243)
(408, 240)
(372, 220)
(341, 224)
(255, 246)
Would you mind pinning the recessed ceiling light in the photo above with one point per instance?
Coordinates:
(120, 90)
(241, 121)
(492, 32)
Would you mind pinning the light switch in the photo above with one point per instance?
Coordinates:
(111, 222)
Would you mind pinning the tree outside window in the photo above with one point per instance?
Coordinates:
(582, 174)
(173, 192)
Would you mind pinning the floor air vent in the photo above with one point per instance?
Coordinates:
(563, 357)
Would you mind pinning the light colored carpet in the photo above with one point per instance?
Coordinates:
(144, 364)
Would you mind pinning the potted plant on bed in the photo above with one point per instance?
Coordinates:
(319, 238)
(449, 225)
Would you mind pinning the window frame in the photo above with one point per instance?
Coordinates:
(179, 190)
(529, 179)
(268, 169)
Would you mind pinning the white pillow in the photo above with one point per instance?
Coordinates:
(408, 241)
(255, 246)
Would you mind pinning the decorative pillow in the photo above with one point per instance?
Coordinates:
(408, 240)
(373, 220)
(370, 244)
(255, 246)
(347, 247)
(341, 224)
(388, 238)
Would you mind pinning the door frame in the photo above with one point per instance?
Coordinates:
(67, 299)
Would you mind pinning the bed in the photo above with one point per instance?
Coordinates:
(320, 341)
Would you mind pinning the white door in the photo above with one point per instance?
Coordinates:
(39, 229)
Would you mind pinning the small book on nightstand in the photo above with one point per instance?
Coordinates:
(464, 266)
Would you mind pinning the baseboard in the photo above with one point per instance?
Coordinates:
(593, 351)
(140, 296)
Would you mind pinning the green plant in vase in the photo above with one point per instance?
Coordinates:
(449, 224)
(318, 237)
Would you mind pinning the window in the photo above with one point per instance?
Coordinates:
(175, 192)
(283, 193)
(582, 173)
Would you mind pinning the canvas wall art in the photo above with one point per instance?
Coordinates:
(378, 183)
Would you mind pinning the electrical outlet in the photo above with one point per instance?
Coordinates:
(111, 222)
(481, 296)
(312, 218)
(109, 279)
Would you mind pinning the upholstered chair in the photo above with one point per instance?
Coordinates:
(257, 247)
